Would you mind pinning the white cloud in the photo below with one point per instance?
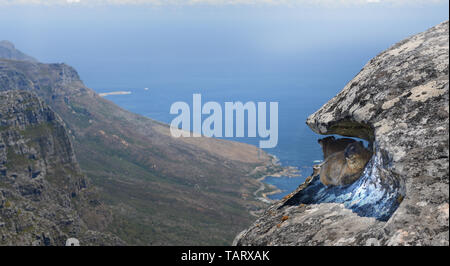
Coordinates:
(218, 2)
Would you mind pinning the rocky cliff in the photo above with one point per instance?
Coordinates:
(44, 197)
(399, 103)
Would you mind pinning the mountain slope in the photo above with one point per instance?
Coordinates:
(44, 197)
(164, 191)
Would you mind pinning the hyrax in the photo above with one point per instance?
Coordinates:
(346, 166)
(331, 145)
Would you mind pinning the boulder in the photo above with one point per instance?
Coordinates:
(399, 103)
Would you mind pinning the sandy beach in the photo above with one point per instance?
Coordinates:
(114, 93)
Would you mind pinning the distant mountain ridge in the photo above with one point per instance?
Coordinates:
(9, 51)
(164, 191)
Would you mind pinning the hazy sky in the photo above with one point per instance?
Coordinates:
(223, 2)
(121, 43)
(299, 53)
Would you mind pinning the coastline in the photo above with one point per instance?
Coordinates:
(103, 94)
(266, 189)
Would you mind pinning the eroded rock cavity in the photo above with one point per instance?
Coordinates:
(377, 192)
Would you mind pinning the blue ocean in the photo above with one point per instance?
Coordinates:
(299, 57)
(297, 144)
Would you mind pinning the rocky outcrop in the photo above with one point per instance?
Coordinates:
(49, 81)
(399, 103)
(44, 197)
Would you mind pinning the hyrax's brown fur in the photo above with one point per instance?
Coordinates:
(331, 145)
(346, 166)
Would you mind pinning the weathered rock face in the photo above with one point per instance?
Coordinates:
(44, 197)
(399, 101)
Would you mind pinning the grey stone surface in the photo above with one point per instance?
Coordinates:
(398, 101)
